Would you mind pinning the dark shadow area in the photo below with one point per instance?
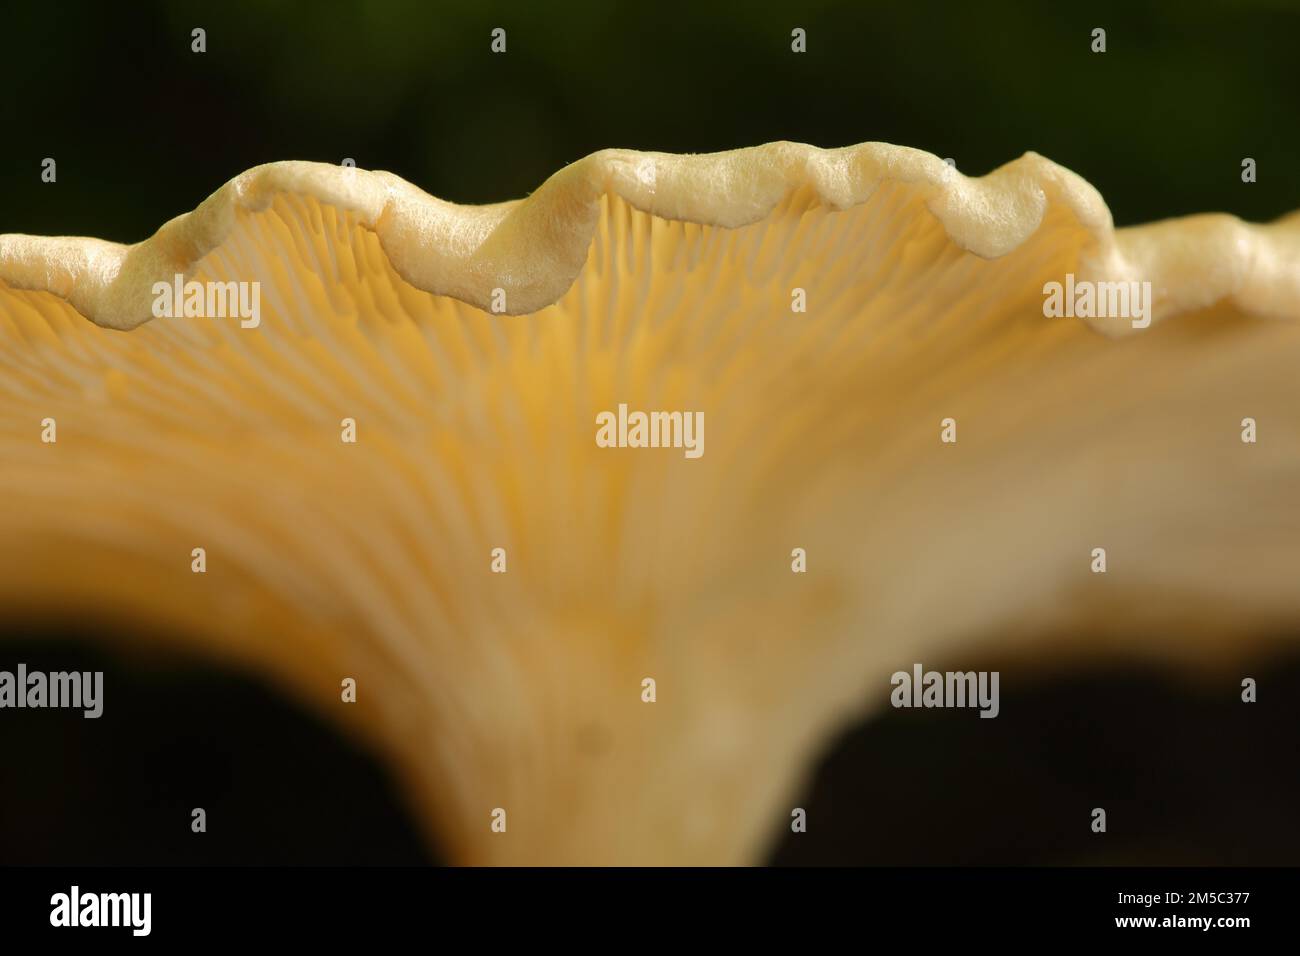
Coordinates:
(278, 786)
(1188, 775)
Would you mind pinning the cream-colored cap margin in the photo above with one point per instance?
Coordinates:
(534, 248)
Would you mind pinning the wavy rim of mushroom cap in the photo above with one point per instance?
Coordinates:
(535, 248)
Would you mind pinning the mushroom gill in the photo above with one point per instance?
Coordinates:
(474, 348)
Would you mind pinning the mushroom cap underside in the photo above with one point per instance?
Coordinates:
(473, 348)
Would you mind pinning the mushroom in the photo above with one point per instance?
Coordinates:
(834, 315)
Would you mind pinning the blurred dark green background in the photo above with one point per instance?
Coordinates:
(143, 129)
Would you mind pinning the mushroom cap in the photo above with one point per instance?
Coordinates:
(474, 347)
